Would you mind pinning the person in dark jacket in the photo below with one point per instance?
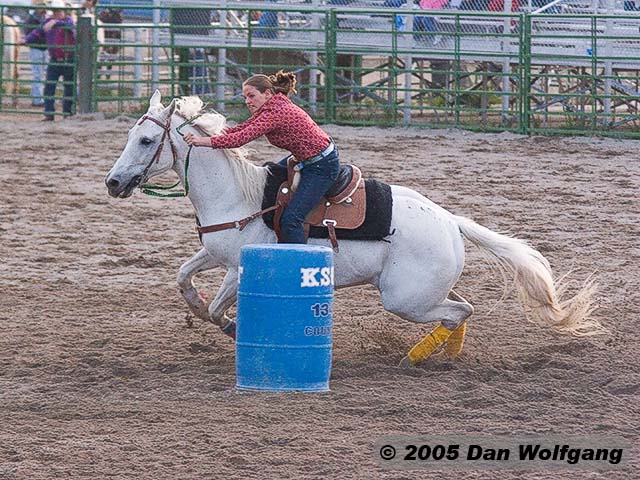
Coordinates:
(57, 32)
(38, 55)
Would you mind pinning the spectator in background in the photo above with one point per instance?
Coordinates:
(113, 35)
(38, 55)
(420, 22)
(89, 6)
(474, 5)
(498, 5)
(428, 24)
(192, 73)
(631, 5)
(267, 24)
(57, 32)
(112, 15)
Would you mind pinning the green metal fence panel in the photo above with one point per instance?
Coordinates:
(531, 73)
(584, 74)
(16, 73)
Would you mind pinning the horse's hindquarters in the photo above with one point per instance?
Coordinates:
(424, 251)
(426, 256)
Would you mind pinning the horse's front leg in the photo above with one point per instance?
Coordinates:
(200, 262)
(225, 298)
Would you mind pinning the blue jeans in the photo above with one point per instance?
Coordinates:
(38, 59)
(55, 70)
(315, 180)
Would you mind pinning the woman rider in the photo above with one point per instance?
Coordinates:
(287, 126)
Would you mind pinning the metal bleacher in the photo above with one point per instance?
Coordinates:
(365, 26)
(552, 54)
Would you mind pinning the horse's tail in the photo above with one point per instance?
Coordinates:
(534, 281)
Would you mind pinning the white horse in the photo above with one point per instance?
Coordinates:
(11, 38)
(414, 270)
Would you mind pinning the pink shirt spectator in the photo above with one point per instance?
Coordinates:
(433, 4)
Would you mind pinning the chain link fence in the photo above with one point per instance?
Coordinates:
(379, 62)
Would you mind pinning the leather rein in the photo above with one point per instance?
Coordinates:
(149, 188)
(166, 128)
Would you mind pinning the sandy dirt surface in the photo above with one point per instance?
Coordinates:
(103, 376)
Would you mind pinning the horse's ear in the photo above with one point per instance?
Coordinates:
(154, 101)
(167, 112)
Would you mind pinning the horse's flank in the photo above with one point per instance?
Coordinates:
(251, 179)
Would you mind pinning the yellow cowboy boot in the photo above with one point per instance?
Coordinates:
(455, 342)
(425, 347)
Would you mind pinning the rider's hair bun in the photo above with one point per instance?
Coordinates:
(281, 82)
(284, 82)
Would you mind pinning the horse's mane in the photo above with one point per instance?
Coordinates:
(250, 178)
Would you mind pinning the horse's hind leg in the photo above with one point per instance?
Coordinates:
(455, 342)
(450, 313)
(453, 315)
(200, 262)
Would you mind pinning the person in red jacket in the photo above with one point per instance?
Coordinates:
(287, 126)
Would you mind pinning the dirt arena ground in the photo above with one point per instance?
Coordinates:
(103, 376)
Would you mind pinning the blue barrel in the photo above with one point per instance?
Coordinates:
(285, 303)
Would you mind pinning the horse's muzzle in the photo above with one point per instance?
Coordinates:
(121, 189)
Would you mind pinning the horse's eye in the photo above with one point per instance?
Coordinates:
(146, 141)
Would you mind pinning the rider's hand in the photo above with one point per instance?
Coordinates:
(196, 141)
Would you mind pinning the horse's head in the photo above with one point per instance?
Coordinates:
(149, 151)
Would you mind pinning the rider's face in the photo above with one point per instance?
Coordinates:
(254, 98)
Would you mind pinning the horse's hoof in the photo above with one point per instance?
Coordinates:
(406, 363)
(229, 329)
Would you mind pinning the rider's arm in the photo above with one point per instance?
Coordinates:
(237, 128)
(262, 123)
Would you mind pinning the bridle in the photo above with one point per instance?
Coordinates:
(151, 188)
(166, 132)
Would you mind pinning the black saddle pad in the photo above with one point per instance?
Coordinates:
(377, 221)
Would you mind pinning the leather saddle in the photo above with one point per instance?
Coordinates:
(344, 205)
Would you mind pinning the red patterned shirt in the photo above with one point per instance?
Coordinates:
(283, 123)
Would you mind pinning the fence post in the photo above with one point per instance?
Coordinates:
(407, 42)
(85, 64)
(2, 92)
(525, 73)
(155, 50)
(330, 65)
(221, 69)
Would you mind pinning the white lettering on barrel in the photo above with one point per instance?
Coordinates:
(327, 276)
(317, 331)
(310, 279)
